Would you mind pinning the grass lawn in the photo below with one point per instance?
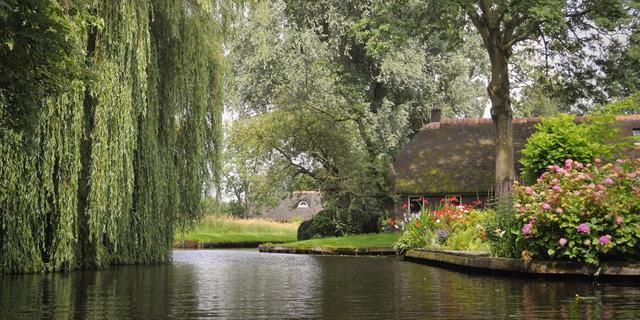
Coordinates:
(220, 229)
(371, 240)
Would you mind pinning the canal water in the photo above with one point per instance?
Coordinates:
(245, 284)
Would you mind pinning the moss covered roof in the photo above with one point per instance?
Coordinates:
(289, 208)
(457, 155)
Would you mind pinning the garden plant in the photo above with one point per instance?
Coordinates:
(582, 212)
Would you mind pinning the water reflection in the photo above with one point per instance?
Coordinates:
(235, 284)
(133, 291)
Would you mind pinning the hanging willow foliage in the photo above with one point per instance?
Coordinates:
(121, 133)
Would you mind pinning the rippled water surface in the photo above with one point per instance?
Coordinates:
(243, 284)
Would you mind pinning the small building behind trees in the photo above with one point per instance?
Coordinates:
(300, 206)
(454, 158)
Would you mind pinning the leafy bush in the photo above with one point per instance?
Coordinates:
(470, 233)
(502, 228)
(325, 223)
(359, 217)
(586, 213)
(458, 227)
(303, 231)
(560, 137)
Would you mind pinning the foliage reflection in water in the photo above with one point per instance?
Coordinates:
(243, 284)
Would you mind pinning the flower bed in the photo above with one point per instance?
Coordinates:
(451, 226)
(582, 212)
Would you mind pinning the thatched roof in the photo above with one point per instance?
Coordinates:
(457, 155)
(291, 207)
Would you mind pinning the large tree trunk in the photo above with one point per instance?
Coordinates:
(502, 116)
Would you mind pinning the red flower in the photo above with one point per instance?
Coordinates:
(418, 224)
(404, 205)
(391, 221)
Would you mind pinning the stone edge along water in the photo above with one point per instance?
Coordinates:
(271, 248)
(483, 261)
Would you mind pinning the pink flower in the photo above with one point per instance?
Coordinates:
(619, 220)
(529, 190)
(527, 228)
(583, 228)
(604, 240)
(556, 188)
(562, 242)
(608, 181)
(597, 161)
(568, 163)
(579, 165)
(598, 195)
(546, 206)
(559, 211)
(555, 181)
(561, 170)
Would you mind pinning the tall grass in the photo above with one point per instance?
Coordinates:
(230, 229)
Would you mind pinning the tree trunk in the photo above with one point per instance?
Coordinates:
(85, 253)
(501, 115)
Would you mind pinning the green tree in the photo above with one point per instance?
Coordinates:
(110, 117)
(316, 101)
(562, 26)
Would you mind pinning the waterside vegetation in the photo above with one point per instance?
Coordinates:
(220, 230)
(574, 211)
(110, 126)
(369, 240)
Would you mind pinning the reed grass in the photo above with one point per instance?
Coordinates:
(226, 229)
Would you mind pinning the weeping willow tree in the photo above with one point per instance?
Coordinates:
(110, 118)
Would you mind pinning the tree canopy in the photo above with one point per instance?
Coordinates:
(111, 128)
(566, 33)
(345, 84)
(314, 100)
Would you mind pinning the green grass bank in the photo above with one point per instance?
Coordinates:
(371, 240)
(224, 231)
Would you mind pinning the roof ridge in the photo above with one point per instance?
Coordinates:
(470, 121)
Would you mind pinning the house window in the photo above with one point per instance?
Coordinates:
(415, 204)
(303, 204)
(455, 200)
(636, 136)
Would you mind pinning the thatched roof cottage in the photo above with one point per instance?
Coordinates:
(455, 158)
(300, 205)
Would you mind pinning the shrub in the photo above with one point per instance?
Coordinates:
(451, 226)
(303, 231)
(586, 213)
(359, 217)
(560, 137)
(323, 224)
(502, 229)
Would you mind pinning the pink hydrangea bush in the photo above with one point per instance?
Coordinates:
(582, 212)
